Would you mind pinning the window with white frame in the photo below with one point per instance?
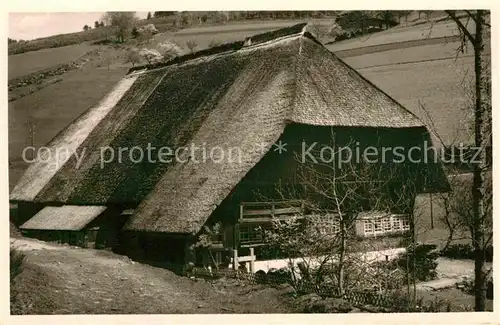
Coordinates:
(396, 223)
(378, 226)
(326, 224)
(368, 227)
(406, 223)
(386, 225)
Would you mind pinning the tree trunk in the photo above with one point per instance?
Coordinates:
(342, 256)
(482, 134)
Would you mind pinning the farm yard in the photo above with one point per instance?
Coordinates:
(417, 63)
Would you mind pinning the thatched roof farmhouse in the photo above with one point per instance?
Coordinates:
(269, 87)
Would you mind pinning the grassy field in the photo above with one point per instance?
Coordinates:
(437, 85)
(52, 108)
(400, 34)
(426, 75)
(25, 63)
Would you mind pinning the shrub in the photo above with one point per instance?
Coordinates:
(214, 42)
(17, 259)
(458, 251)
(191, 45)
(420, 260)
(169, 50)
(135, 32)
(403, 303)
(465, 251)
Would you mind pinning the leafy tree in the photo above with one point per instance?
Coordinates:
(151, 55)
(159, 14)
(149, 16)
(169, 50)
(354, 20)
(388, 17)
(133, 56)
(101, 24)
(96, 24)
(135, 32)
(122, 21)
(86, 27)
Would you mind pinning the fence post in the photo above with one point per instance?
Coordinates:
(235, 260)
(252, 261)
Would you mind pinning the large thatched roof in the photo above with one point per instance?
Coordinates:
(233, 96)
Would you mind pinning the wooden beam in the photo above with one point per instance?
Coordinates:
(235, 260)
(267, 219)
(271, 211)
(252, 261)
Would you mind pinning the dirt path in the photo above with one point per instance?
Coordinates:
(67, 280)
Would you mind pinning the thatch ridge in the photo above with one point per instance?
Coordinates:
(228, 47)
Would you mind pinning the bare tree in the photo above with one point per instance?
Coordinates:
(339, 194)
(191, 45)
(481, 189)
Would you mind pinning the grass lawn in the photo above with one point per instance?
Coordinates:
(29, 62)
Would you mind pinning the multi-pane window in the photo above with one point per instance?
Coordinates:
(378, 226)
(385, 225)
(396, 224)
(328, 224)
(250, 234)
(368, 227)
(406, 223)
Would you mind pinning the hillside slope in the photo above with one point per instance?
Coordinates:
(67, 280)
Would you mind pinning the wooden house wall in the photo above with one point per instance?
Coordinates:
(279, 170)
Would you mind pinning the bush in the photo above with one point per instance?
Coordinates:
(17, 259)
(403, 303)
(458, 251)
(420, 260)
(465, 251)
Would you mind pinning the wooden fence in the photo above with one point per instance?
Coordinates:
(326, 290)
